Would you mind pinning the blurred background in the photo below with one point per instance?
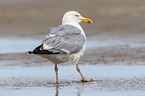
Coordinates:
(115, 48)
(31, 18)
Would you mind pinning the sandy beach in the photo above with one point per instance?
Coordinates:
(114, 58)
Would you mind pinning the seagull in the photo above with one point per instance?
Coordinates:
(64, 43)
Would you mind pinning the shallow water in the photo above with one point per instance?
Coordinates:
(18, 45)
(107, 81)
(67, 91)
(71, 73)
(23, 45)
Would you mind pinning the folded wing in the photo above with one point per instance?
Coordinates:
(65, 39)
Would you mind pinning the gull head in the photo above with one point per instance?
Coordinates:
(74, 17)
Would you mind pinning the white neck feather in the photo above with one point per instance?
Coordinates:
(73, 24)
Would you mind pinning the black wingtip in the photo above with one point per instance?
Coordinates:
(30, 52)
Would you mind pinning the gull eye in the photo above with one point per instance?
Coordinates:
(77, 15)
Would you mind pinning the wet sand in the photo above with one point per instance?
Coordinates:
(114, 58)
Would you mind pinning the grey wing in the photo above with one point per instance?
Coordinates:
(67, 40)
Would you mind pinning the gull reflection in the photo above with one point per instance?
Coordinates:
(57, 91)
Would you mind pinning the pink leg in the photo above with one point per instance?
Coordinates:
(83, 78)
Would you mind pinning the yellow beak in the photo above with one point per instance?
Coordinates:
(87, 20)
